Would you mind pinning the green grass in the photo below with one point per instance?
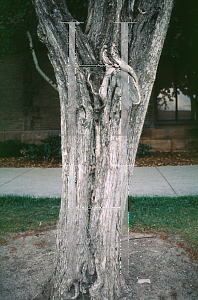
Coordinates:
(170, 215)
(25, 213)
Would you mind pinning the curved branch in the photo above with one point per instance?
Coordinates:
(110, 68)
(36, 63)
(128, 69)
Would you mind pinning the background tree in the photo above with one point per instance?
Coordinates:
(16, 18)
(180, 48)
(97, 157)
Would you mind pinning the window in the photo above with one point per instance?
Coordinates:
(175, 101)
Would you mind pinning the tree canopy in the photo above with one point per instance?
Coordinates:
(15, 19)
(18, 17)
(181, 45)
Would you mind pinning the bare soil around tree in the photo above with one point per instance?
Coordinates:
(154, 266)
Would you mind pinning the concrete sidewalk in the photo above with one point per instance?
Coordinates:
(151, 181)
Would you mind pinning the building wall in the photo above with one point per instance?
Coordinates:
(11, 94)
(175, 140)
(168, 136)
(41, 101)
(28, 104)
(30, 109)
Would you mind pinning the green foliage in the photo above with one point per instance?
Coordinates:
(11, 148)
(51, 146)
(181, 45)
(52, 142)
(33, 151)
(16, 17)
(143, 150)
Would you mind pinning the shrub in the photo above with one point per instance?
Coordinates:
(51, 147)
(33, 151)
(143, 150)
(11, 148)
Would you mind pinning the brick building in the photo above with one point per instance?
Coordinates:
(30, 110)
(29, 106)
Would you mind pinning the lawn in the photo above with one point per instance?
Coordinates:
(20, 213)
(170, 215)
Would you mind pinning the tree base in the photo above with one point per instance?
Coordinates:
(46, 292)
(125, 293)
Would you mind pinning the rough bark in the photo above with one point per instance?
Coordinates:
(97, 159)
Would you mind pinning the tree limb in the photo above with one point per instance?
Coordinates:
(37, 65)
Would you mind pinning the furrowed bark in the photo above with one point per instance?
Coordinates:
(94, 179)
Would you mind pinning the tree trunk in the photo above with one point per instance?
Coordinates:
(98, 154)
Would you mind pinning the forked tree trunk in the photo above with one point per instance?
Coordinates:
(98, 155)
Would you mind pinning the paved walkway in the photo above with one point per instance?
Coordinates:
(159, 181)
